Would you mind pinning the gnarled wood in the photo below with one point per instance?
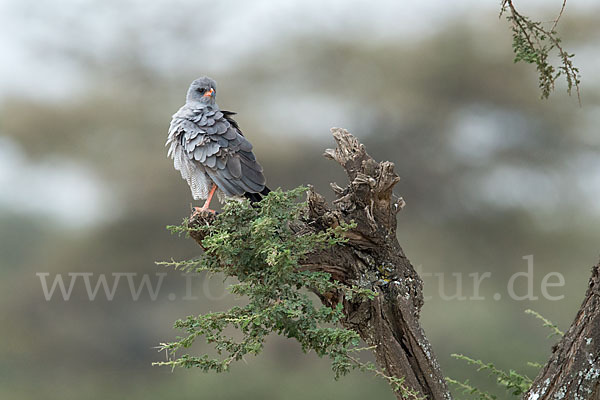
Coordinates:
(372, 258)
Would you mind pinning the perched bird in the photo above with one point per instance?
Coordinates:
(210, 151)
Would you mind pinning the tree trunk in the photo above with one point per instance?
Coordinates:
(573, 371)
(372, 258)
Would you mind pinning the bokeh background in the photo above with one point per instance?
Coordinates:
(490, 174)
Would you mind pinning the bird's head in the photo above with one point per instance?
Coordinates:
(202, 90)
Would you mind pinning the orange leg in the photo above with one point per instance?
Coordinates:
(210, 196)
(207, 202)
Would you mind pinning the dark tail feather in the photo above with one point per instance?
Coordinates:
(256, 197)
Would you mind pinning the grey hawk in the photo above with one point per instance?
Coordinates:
(210, 151)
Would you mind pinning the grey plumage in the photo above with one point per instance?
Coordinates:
(207, 147)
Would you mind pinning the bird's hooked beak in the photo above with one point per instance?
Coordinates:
(209, 93)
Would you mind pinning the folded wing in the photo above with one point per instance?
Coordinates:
(213, 143)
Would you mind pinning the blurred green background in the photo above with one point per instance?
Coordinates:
(490, 174)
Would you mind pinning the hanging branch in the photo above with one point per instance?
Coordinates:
(533, 43)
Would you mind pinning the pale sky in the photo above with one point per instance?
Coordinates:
(31, 31)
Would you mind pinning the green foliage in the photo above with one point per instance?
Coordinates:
(512, 381)
(533, 44)
(396, 383)
(515, 383)
(547, 323)
(471, 390)
(258, 247)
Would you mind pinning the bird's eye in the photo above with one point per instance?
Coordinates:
(201, 90)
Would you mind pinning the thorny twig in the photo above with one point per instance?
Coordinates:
(529, 45)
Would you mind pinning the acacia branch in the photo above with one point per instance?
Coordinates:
(560, 13)
(533, 43)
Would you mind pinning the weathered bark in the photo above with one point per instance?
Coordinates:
(573, 371)
(373, 259)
